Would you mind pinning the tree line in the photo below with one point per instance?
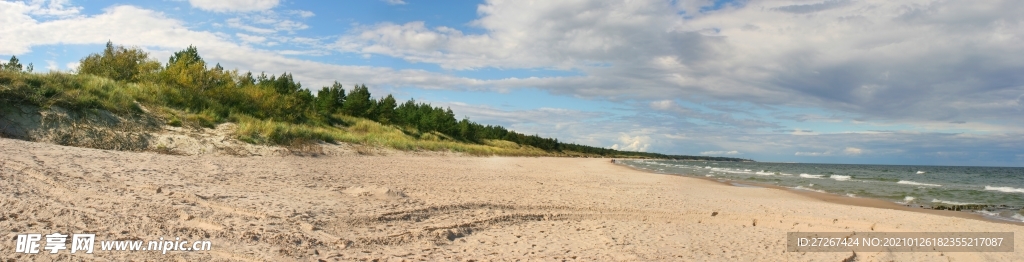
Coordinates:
(187, 82)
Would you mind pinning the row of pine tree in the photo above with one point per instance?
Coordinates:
(187, 82)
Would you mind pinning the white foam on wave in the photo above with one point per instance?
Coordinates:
(987, 213)
(732, 171)
(920, 172)
(809, 189)
(1016, 217)
(908, 182)
(851, 195)
(805, 175)
(709, 175)
(1004, 189)
(951, 202)
(840, 178)
(765, 173)
(906, 200)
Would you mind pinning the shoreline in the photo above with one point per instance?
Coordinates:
(839, 199)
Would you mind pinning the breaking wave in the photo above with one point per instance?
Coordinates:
(908, 182)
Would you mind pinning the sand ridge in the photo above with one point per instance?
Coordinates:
(395, 208)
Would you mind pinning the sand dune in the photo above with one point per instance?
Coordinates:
(352, 207)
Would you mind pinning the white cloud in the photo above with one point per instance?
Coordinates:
(266, 22)
(394, 2)
(663, 105)
(237, 24)
(800, 132)
(160, 35)
(56, 8)
(234, 5)
(302, 52)
(638, 143)
(301, 13)
(867, 58)
(651, 74)
(52, 65)
(733, 152)
(812, 153)
(251, 38)
(73, 66)
(849, 151)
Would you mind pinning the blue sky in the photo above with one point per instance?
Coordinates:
(836, 81)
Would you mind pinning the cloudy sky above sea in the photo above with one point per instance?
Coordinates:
(836, 81)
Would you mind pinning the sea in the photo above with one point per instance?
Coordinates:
(995, 192)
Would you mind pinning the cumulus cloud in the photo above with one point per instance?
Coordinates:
(638, 143)
(161, 35)
(919, 60)
(930, 65)
(51, 8)
(234, 5)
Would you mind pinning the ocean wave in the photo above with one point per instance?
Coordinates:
(906, 200)
(952, 202)
(764, 173)
(908, 182)
(809, 176)
(987, 213)
(840, 178)
(1016, 217)
(809, 189)
(1004, 189)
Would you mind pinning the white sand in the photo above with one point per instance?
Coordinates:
(424, 208)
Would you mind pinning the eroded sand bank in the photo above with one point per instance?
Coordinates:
(423, 208)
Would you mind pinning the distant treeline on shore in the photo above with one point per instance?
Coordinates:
(272, 109)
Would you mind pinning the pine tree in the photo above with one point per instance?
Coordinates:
(386, 109)
(13, 65)
(330, 99)
(468, 130)
(358, 102)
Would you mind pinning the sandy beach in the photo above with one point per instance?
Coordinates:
(411, 208)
